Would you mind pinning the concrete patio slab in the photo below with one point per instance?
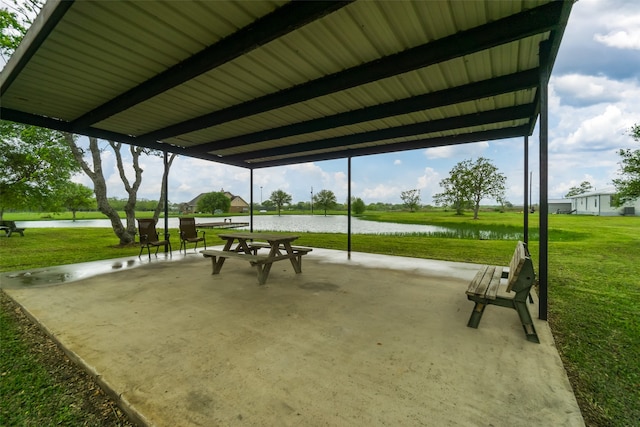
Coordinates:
(370, 341)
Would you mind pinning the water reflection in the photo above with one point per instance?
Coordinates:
(317, 224)
(293, 223)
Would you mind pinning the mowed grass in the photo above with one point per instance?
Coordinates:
(594, 285)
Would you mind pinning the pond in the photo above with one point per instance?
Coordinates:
(314, 223)
(292, 223)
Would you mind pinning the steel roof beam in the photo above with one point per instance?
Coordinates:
(483, 89)
(489, 135)
(62, 126)
(270, 27)
(469, 120)
(515, 27)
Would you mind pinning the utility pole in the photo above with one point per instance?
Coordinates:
(311, 200)
(261, 196)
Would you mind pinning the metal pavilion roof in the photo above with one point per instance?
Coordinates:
(266, 83)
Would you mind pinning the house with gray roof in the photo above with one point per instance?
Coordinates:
(600, 203)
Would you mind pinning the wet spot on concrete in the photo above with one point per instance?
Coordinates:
(319, 286)
(199, 402)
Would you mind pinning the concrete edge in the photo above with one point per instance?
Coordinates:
(123, 403)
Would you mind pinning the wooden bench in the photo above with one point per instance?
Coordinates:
(262, 263)
(483, 289)
(298, 250)
(9, 227)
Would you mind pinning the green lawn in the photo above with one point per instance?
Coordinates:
(594, 285)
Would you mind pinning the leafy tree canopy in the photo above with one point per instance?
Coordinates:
(628, 185)
(468, 183)
(211, 202)
(35, 163)
(325, 199)
(411, 199)
(74, 197)
(358, 206)
(584, 187)
(279, 198)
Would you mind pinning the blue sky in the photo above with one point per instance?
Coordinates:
(594, 96)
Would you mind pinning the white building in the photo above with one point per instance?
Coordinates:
(599, 203)
(560, 206)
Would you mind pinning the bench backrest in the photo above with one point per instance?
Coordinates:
(521, 273)
(9, 224)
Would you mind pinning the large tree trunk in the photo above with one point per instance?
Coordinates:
(125, 235)
(131, 189)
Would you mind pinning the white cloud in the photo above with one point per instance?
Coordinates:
(623, 30)
(579, 89)
(381, 192)
(449, 151)
(397, 162)
(430, 180)
(603, 131)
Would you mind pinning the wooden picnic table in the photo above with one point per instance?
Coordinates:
(247, 245)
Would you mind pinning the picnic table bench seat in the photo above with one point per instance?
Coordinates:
(255, 246)
(10, 227)
(520, 276)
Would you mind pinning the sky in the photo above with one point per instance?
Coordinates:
(594, 99)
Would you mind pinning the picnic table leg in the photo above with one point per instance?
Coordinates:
(296, 262)
(263, 272)
(217, 263)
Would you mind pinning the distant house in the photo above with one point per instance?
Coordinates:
(599, 203)
(238, 205)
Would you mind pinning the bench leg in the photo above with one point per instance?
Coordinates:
(476, 314)
(527, 322)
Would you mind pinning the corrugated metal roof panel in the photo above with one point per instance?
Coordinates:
(109, 64)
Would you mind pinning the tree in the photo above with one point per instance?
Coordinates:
(325, 199)
(126, 233)
(10, 37)
(411, 199)
(628, 185)
(76, 196)
(280, 198)
(584, 187)
(12, 33)
(211, 202)
(468, 183)
(358, 206)
(35, 163)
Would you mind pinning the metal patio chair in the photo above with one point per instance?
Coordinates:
(149, 237)
(190, 234)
